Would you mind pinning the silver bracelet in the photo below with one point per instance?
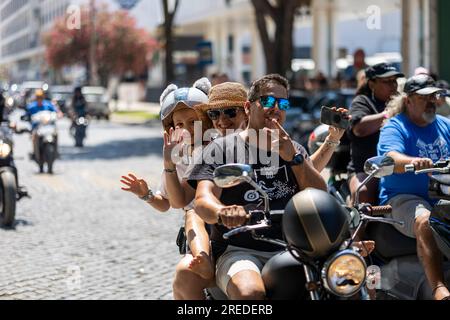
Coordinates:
(332, 143)
(149, 196)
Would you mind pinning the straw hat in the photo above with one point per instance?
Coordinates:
(227, 94)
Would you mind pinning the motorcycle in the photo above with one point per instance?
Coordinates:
(308, 267)
(47, 134)
(78, 130)
(10, 192)
(402, 274)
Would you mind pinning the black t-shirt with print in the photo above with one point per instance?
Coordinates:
(363, 148)
(281, 185)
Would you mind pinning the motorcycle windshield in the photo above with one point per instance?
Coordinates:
(47, 130)
(44, 117)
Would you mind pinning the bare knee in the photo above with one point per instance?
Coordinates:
(242, 287)
(187, 285)
(422, 225)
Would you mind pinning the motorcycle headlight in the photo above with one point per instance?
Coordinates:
(10, 102)
(5, 150)
(344, 273)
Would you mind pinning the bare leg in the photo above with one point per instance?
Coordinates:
(198, 241)
(430, 256)
(246, 285)
(187, 285)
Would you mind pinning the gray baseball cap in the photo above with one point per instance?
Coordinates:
(422, 84)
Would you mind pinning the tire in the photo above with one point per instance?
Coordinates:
(49, 156)
(9, 196)
(80, 135)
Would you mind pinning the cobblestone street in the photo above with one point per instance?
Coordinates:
(81, 236)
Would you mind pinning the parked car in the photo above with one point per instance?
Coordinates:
(98, 102)
(304, 115)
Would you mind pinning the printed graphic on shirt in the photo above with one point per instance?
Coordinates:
(276, 184)
(435, 151)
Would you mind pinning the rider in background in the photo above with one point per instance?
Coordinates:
(79, 104)
(40, 104)
(416, 135)
(368, 114)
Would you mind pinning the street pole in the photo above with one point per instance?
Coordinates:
(93, 45)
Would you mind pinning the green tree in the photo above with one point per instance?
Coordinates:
(121, 46)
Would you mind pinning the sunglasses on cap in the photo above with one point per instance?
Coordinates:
(229, 112)
(270, 101)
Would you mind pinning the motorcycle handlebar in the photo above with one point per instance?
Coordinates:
(381, 210)
(439, 167)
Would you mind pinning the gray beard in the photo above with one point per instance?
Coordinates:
(429, 117)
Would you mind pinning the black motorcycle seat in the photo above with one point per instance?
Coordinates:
(389, 242)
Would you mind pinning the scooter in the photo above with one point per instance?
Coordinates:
(335, 272)
(78, 130)
(46, 131)
(402, 274)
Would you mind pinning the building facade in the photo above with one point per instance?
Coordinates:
(22, 23)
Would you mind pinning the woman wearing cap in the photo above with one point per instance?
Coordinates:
(224, 111)
(368, 114)
(178, 118)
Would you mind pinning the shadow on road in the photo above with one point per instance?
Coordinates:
(17, 222)
(113, 150)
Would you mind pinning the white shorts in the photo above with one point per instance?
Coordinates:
(406, 208)
(235, 260)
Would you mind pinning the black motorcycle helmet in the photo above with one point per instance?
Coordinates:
(315, 223)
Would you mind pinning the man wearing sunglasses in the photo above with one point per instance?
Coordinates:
(240, 259)
(415, 135)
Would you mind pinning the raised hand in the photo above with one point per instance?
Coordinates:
(282, 141)
(134, 185)
(335, 134)
(171, 139)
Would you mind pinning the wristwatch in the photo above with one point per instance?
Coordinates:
(297, 160)
(149, 196)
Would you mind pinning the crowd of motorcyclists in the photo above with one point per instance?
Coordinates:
(42, 114)
(383, 121)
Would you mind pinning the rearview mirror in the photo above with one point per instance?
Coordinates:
(231, 175)
(379, 166)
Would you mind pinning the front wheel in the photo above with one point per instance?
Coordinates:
(49, 156)
(8, 198)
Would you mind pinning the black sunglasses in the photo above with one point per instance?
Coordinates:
(270, 101)
(229, 112)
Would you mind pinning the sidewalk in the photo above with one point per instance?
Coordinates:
(121, 105)
(134, 112)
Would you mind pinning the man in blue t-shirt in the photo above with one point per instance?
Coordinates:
(40, 104)
(416, 135)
